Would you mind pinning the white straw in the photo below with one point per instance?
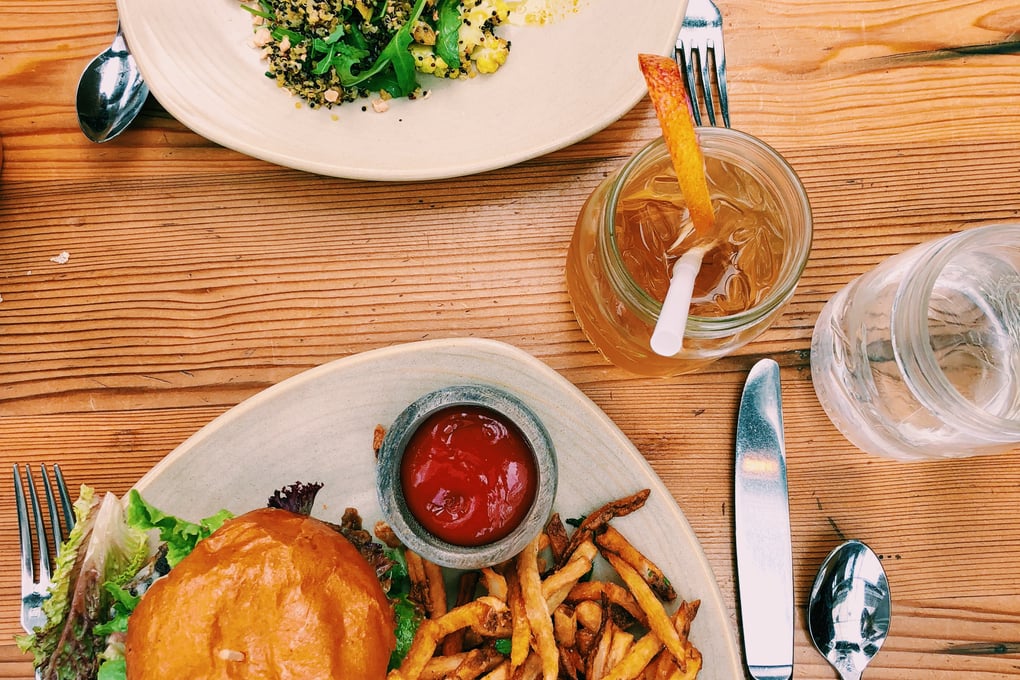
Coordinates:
(668, 336)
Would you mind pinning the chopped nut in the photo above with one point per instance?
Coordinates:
(262, 37)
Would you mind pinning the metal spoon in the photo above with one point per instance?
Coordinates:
(110, 92)
(848, 612)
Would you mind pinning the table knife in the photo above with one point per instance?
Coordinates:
(762, 514)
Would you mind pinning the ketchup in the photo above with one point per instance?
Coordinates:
(468, 475)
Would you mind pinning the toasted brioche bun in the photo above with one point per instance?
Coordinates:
(270, 595)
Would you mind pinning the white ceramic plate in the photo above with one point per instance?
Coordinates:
(318, 426)
(563, 81)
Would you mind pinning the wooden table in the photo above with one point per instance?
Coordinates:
(198, 277)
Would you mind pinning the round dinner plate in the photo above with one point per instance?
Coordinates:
(564, 81)
(318, 426)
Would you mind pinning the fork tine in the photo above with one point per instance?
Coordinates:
(51, 505)
(719, 56)
(24, 532)
(706, 84)
(65, 498)
(687, 65)
(40, 528)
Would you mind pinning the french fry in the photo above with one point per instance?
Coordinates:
(416, 574)
(589, 615)
(571, 663)
(557, 585)
(500, 672)
(658, 620)
(622, 642)
(558, 538)
(496, 624)
(537, 610)
(665, 666)
(466, 585)
(436, 585)
(564, 626)
(613, 592)
(586, 639)
(428, 587)
(668, 669)
(613, 541)
(477, 662)
(531, 669)
(432, 631)
(684, 617)
(598, 662)
(691, 665)
(494, 582)
(439, 667)
(520, 636)
(594, 522)
(637, 658)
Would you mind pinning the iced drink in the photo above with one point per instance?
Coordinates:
(635, 225)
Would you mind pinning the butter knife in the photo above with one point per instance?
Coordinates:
(761, 509)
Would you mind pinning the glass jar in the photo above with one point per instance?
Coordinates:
(920, 357)
(618, 315)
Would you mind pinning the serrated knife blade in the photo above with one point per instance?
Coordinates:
(762, 516)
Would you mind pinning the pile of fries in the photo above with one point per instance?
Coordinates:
(557, 624)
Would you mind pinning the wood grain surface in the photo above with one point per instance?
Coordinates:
(198, 277)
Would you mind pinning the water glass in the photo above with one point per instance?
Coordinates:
(920, 358)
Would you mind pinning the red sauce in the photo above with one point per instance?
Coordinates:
(468, 475)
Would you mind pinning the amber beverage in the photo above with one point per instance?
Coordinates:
(635, 225)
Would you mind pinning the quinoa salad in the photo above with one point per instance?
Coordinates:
(333, 51)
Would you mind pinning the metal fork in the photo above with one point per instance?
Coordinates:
(35, 585)
(701, 34)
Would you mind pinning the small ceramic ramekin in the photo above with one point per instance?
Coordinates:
(390, 491)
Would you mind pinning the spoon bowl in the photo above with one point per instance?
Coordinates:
(111, 92)
(849, 608)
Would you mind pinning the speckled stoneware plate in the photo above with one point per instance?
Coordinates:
(318, 426)
(563, 82)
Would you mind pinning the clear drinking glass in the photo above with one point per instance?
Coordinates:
(920, 357)
(747, 178)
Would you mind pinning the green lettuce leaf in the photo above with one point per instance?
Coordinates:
(115, 669)
(180, 535)
(408, 614)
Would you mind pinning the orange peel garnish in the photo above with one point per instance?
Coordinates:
(673, 109)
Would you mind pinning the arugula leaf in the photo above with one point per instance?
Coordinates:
(396, 56)
(257, 12)
(448, 33)
(279, 32)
